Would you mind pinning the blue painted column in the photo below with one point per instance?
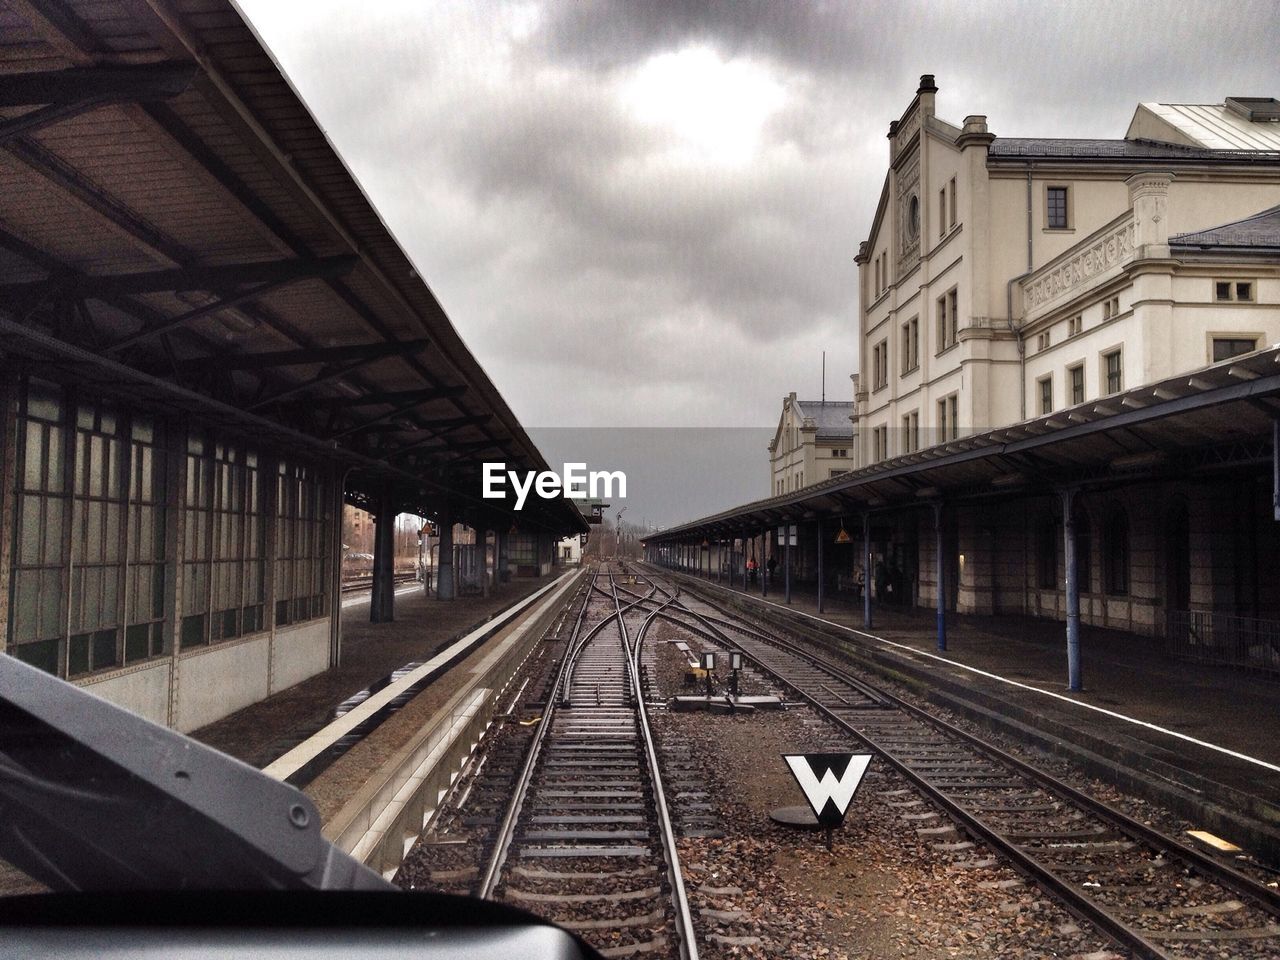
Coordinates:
(1074, 681)
(942, 577)
(866, 571)
(821, 590)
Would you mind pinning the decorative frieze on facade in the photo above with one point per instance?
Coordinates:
(905, 134)
(909, 212)
(1112, 247)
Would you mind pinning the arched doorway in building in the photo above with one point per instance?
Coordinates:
(1177, 552)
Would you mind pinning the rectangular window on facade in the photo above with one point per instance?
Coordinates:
(942, 212)
(1075, 325)
(1224, 348)
(1046, 394)
(1113, 371)
(911, 345)
(951, 216)
(948, 311)
(877, 270)
(1233, 290)
(88, 563)
(948, 419)
(880, 360)
(1056, 210)
(880, 443)
(223, 587)
(1076, 376)
(301, 536)
(911, 432)
(1042, 342)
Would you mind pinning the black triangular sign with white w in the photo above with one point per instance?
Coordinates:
(829, 781)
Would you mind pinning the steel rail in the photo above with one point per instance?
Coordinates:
(506, 830)
(679, 897)
(573, 651)
(1266, 898)
(1083, 907)
(1228, 876)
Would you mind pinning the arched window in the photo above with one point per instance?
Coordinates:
(1116, 544)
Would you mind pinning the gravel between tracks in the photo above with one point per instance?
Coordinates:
(886, 891)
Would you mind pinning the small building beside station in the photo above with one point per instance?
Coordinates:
(815, 440)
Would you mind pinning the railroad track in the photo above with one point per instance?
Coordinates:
(587, 838)
(1150, 893)
(352, 584)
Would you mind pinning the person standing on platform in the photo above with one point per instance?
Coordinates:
(751, 571)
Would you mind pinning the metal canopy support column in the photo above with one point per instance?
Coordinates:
(1275, 467)
(444, 567)
(866, 571)
(1073, 590)
(482, 541)
(764, 562)
(383, 596)
(821, 591)
(786, 561)
(8, 505)
(942, 576)
(501, 573)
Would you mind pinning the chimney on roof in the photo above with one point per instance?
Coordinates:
(974, 132)
(925, 94)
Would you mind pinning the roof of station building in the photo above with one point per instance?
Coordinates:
(1051, 148)
(830, 416)
(1239, 123)
(1213, 419)
(176, 229)
(1262, 230)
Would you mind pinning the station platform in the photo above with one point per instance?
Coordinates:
(261, 732)
(1197, 738)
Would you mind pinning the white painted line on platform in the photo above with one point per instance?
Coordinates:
(1024, 686)
(288, 763)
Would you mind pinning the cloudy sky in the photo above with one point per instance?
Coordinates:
(644, 213)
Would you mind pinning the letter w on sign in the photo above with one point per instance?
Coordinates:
(829, 781)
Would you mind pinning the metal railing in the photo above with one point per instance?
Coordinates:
(1224, 638)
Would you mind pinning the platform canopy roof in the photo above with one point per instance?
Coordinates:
(176, 230)
(1218, 418)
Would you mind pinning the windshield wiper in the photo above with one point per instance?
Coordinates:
(93, 797)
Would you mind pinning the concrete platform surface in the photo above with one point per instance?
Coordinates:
(263, 731)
